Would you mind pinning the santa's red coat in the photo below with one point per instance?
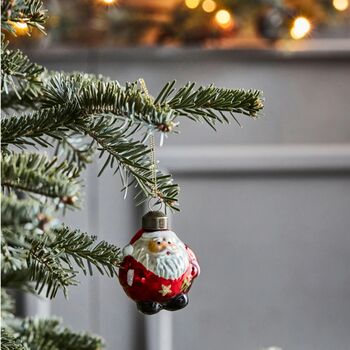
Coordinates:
(144, 285)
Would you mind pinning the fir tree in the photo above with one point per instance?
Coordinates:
(76, 115)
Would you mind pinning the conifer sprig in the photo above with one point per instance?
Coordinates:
(17, 213)
(75, 149)
(53, 262)
(53, 258)
(19, 74)
(211, 103)
(30, 12)
(11, 342)
(49, 334)
(37, 174)
(110, 114)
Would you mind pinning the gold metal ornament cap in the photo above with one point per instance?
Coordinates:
(155, 221)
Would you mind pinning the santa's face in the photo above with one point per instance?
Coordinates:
(163, 253)
(162, 245)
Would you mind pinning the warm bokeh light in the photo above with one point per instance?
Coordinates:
(192, 4)
(341, 5)
(21, 28)
(209, 5)
(224, 19)
(107, 2)
(301, 27)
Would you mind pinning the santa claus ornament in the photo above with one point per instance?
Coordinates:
(158, 269)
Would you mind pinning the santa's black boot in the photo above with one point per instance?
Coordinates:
(177, 303)
(149, 307)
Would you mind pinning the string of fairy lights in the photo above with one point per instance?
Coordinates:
(222, 17)
(301, 26)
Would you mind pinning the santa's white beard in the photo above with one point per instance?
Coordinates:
(168, 266)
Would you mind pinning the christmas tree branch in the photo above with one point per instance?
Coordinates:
(7, 306)
(35, 173)
(12, 258)
(19, 73)
(17, 280)
(70, 100)
(133, 104)
(14, 249)
(29, 129)
(96, 96)
(131, 158)
(10, 342)
(49, 334)
(75, 148)
(83, 248)
(46, 269)
(210, 103)
(51, 259)
(20, 212)
(18, 101)
(30, 12)
(105, 111)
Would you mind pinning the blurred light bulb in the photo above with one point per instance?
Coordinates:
(341, 5)
(21, 28)
(301, 26)
(224, 19)
(209, 5)
(107, 2)
(191, 4)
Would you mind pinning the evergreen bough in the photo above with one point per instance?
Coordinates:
(77, 115)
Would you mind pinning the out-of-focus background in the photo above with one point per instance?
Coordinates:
(265, 207)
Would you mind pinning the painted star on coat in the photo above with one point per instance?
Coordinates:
(165, 290)
(185, 284)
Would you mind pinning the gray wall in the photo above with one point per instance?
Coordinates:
(265, 207)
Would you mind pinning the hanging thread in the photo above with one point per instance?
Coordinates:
(154, 188)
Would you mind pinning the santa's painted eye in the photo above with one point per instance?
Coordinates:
(158, 242)
(169, 242)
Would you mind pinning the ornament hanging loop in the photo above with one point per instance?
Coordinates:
(154, 205)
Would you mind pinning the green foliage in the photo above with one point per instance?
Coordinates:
(51, 261)
(49, 334)
(36, 173)
(132, 159)
(29, 129)
(10, 342)
(46, 334)
(91, 95)
(17, 280)
(210, 103)
(30, 12)
(75, 149)
(17, 213)
(109, 114)
(52, 258)
(82, 248)
(14, 250)
(19, 75)
(7, 306)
